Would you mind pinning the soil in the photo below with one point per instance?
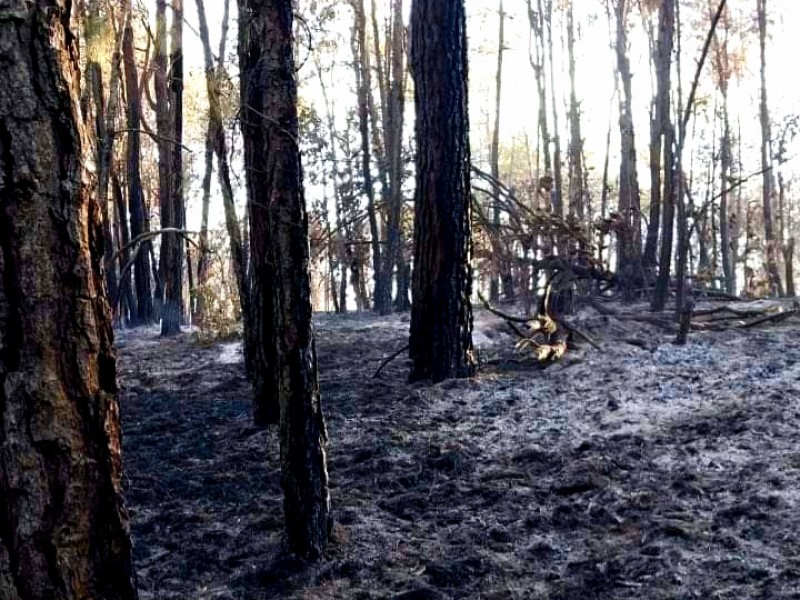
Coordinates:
(643, 470)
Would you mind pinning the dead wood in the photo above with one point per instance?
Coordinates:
(387, 360)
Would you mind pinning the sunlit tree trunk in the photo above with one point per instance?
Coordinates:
(63, 524)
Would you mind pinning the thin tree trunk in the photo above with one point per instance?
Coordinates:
(219, 143)
(362, 69)
(169, 115)
(666, 136)
(94, 76)
(494, 161)
(136, 204)
(576, 171)
(766, 156)
(629, 247)
(558, 197)
(63, 523)
(204, 258)
(127, 303)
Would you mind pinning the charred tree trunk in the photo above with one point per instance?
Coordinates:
(144, 299)
(766, 156)
(63, 523)
(267, 65)
(441, 316)
(361, 66)
(660, 126)
(261, 336)
(126, 300)
(94, 75)
(169, 115)
(629, 247)
(394, 87)
(666, 140)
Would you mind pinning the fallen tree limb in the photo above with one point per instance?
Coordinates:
(387, 360)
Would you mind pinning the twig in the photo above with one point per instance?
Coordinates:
(388, 360)
(500, 313)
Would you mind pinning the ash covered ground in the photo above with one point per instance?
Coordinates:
(644, 470)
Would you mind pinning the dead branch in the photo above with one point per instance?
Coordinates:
(387, 360)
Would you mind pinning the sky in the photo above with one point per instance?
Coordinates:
(519, 103)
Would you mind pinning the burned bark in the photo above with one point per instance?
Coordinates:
(63, 523)
(277, 209)
(441, 315)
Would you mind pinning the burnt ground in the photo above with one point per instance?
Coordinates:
(644, 470)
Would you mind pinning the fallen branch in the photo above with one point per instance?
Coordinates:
(388, 360)
(773, 318)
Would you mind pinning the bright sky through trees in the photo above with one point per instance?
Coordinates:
(594, 78)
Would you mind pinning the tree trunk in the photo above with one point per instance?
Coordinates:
(393, 143)
(127, 306)
(261, 337)
(494, 162)
(576, 188)
(726, 167)
(666, 138)
(144, 299)
(558, 197)
(441, 315)
(766, 156)
(362, 69)
(94, 75)
(169, 115)
(629, 247)
(660, 125)
(204, 258)
(63, 523)
(267, 65)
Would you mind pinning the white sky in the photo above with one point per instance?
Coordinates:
(519, 102)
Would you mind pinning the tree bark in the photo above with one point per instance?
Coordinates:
(127, 305)
(144, 299)
(629, 247)
(576, 187)
(63, 523)
(502, 272)
(361, 67)
(278, 208)
(441, 315)
(766, 156)
(220, 147)
(395, 86)
(665, 132)
(169, 115)
(94, 75)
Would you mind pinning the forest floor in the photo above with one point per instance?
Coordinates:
(644, 470)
